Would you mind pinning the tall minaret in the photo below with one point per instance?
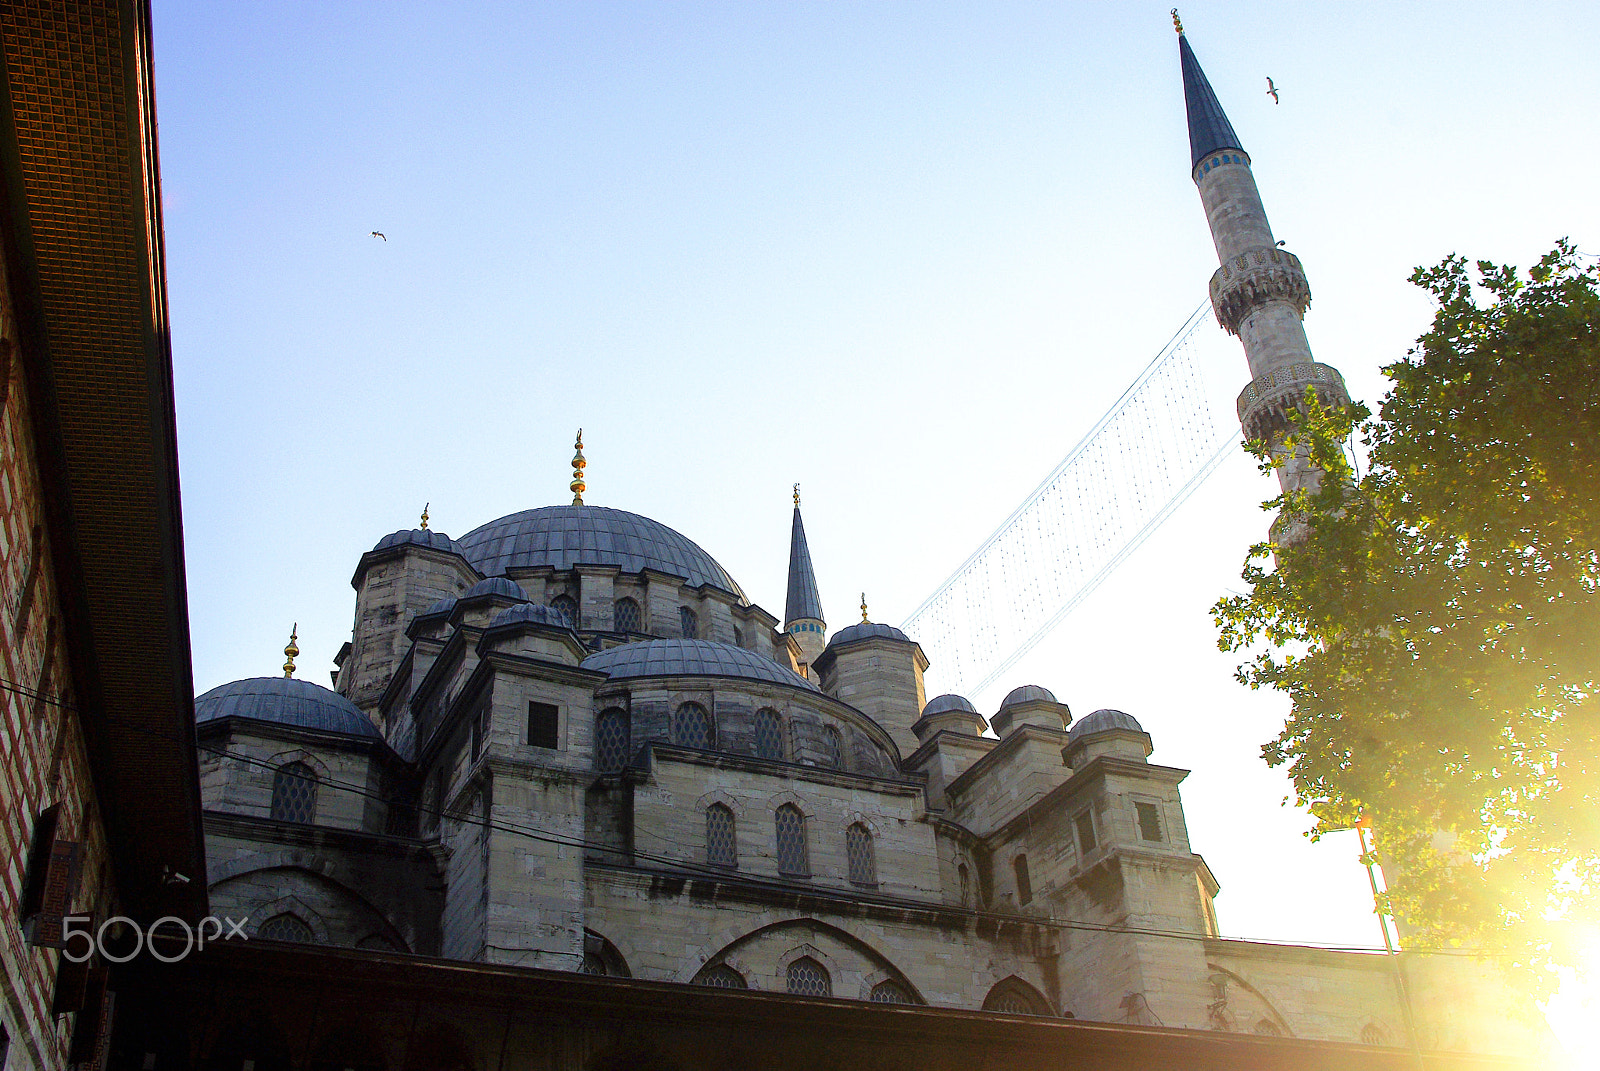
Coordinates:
(802, 611)
(1260, 292)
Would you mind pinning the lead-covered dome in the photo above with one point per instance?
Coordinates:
(418, 537)
(1104, 721)
(287, 701)
(865, 630)
(563, 537)
(692, 658)
(495, 585)
(1028, 693)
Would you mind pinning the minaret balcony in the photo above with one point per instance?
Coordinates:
(1264, 405)
(1254, 278)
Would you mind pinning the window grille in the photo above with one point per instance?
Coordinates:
(1149, 821)
(543, 722)
(611, 740)
(377, 942)
(568, 606)
(722, 976)
(1024, 883)
(721, 846)
(1015, 997)
(690, 625)
(691, 727)
(626, 616)
(791, 829)
(832, 748)
(1371, 1034)
(808, 978)
(294, 793)
(769, 734)
(858, 848)
(593, 964)
(286, 927)
(890, 993)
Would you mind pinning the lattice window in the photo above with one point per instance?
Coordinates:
(1149, 821)
(568, 606)
(1371, 1034)
(722, 976)
(691, 727)
(294, 793)
(611, 740)
(791, 830)
(1015, 997)
(286, 927)
(858, 848)
(808, 978)
(769, 734)
(721, 846)
(593, 964)
(890, 993)
(1019, 866)
(626, 616)
(377, 942)
(689, 624)
(832, 748)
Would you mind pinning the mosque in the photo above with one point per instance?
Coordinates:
(567, 740)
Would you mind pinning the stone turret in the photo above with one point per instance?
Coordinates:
(802, 612)
(1260, 292)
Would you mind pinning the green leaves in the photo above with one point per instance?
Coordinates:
(1436, 622)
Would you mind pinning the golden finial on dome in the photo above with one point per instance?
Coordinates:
(292, 651)
(864, 608)
(1177, 23)
(578, 465)
(796, 496)
(425, 506)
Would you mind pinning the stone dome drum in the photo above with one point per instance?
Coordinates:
(563, 537)
(287, 701)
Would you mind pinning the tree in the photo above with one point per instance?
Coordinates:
(1436, 621)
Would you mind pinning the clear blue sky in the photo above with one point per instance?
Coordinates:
(903, 253)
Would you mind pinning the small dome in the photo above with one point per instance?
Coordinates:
(862, 630)
(287, 701)
(1104, 721)
(692, 658)
(940, 704)
(496, 585)
(419, 537)
(443, 606)
(1028, 693)
(530, 613)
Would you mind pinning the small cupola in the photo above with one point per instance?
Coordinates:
(949, 714)
(1107, 732)
(1030, 705)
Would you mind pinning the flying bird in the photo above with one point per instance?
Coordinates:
(379, 234)
(1272, 91)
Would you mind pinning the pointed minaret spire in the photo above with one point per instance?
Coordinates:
(802, 613)
(1260, 292)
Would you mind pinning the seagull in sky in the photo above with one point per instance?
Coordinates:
(379, 234)
(1272, 91)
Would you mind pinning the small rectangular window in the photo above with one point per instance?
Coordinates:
(543, 721)
(1149, 821)
(1085, 826)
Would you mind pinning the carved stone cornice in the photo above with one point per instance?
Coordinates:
(1264, 404)
(1254, 278)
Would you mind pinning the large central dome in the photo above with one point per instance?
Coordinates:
(561, 537)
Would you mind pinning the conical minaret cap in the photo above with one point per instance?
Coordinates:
(1209, 129)
(803, 602)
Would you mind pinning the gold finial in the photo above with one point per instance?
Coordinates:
(796, 496)
(425, 506)
(291, 651)
(863, 608)
(1177, 23)
(578, 465)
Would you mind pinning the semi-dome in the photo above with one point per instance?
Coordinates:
(420, 537)
(1028, 693)
(531, 613)
(287, 701)
(496, 585)
(863, 630)
(1104, 721)
(692, 658)
(562, 537)
(941, 704)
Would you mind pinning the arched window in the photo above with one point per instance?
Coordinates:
(1268, 1028)
(286, 927)
(808, 978)
(721, 976)
(626, 616)
(568, 606)
(722, 849)
(890, 993)
(690, 624)
(858, 848)
(832, 748)
(1016, 997)
(602, 957)
(294, 793)
(377, 942)
(691, 727)
(791, 830)
(1371, 1034)
(769, 734)
(611, 740)
(965, 878)
(1024, 883)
